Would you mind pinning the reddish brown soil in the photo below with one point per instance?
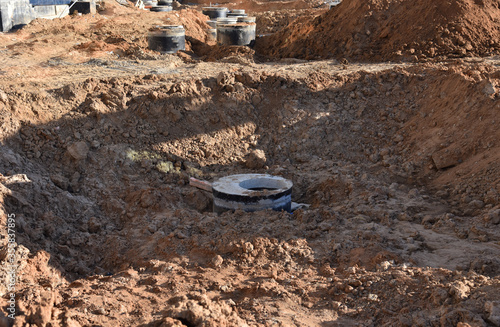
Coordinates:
(122, 32)
(382, 30)
(399, 164)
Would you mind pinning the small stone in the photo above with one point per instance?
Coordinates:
(489, 89)
(385, 265)
(3, 97)
(60, 181)
(247, 247)
(94, 225)
(494, 216)
(256, 99)
(256, 159)
(477, 204)
(444, 159)
(217, 261)
(78, 150)
(372, 297)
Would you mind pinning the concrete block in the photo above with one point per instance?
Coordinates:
(44, 11)
(15, 14)
(51, 11)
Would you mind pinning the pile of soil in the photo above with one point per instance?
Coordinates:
(117, 31)
(381, 30)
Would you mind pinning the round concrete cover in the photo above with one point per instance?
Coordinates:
(252, 192)
(249, 185)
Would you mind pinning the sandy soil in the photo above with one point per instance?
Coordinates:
(376, 30)
(398, 160)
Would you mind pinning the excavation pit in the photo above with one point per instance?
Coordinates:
(252, 192)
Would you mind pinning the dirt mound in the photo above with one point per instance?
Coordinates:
(118, 32)
(380, 30)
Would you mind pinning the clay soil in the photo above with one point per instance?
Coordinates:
(376, 30)
(397, 161)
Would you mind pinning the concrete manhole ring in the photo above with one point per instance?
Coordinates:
(252, 192)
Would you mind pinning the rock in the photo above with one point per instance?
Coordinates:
(256, 99)
(398, 138)
(148, 198)
(494, 216)
(217, 261)
(445, 159)
(60, 181)
(94, 225)
(3, 97)
(78, 150)
(256, 159)
(248, 247)
(385, 265)
(488, 88)
(477, 204)
(493, 309)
